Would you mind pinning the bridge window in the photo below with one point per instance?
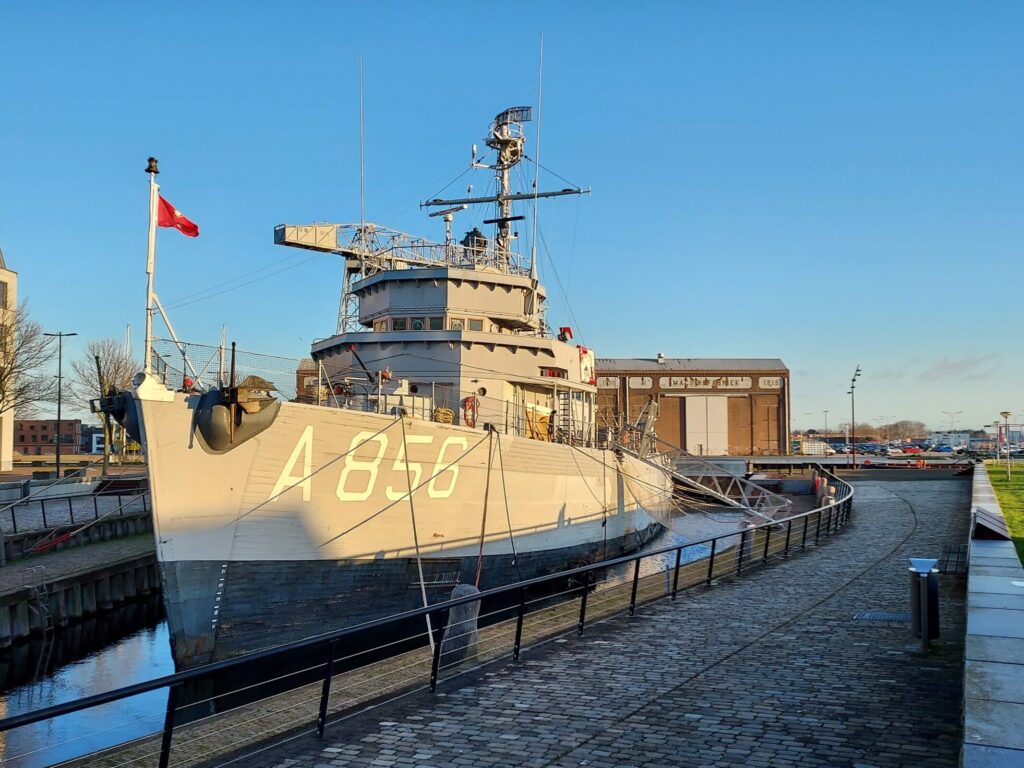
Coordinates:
(436, 323)
(399, 324)
(417, 323)
(476, 325)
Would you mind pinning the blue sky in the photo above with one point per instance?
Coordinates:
(833, 184)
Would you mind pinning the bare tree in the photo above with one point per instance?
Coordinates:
(105, 369)
(25, 355)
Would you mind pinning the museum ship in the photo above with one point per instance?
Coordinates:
(442, 436)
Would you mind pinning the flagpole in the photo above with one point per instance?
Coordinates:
(150, 260)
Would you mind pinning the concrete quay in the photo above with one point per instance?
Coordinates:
(770, 669)
(50, 590)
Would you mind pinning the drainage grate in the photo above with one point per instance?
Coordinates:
(882, 616)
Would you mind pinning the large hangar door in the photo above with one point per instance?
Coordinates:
(670, 421)
(707, 425)
(740, 437)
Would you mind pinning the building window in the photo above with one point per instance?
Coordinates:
(400, 324)
(3, 295)
(476, 325)
(437, 323)
(34, 438)
(417, 323)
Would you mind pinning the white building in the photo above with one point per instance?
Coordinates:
(952, 439)
(8, 301)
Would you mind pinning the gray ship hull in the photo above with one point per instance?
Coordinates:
(324, 519)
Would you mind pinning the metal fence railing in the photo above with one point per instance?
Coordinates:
(330, 675)
(42, 513)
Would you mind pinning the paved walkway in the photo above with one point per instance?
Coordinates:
(68, 562)
(768, 670)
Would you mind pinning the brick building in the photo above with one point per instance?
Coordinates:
(716, 407)
(38, 437)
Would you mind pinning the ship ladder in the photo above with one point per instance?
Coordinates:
(34, 579)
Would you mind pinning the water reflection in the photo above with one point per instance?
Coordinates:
(117, 648)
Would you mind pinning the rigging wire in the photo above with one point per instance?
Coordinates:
(483, 516)
(265, 267)
(416, 535)
(183, 303)
(508, 514)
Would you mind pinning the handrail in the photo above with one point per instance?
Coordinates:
(330, 638)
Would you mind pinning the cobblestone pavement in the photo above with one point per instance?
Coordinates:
(767, 670)
(29, 515)
(77, 559)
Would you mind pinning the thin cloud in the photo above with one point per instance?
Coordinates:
(963, 369)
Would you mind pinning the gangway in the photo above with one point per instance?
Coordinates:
(715, 482)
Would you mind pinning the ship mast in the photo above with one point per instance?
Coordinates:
(507, 139)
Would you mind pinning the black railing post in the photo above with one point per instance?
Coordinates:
(767, 538)
(817, 529)
(675, 577)
(517, 643)
(711, 562)
(120, 505)
(14, 521)
(435, 664)
(42, 506)
(71, 511)
(789, 533)
(95, 507)
(144, 509)
(636, 581)
(325, 690)
(583, 611)
(803, 540)
(165, 741)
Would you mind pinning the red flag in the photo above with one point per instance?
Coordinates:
(169, 216)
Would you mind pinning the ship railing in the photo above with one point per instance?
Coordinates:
(321, 680)
(381, 248)
(572, 419)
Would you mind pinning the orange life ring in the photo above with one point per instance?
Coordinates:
(469, 409)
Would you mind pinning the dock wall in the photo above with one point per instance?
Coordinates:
(75, 596)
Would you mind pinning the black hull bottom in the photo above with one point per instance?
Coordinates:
(217, 611)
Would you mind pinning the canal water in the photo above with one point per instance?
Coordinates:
(121, 647)
(131, 644)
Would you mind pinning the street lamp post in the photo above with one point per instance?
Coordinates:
(1006, 439)
(60, 381)
(826, 423)
(853, 416)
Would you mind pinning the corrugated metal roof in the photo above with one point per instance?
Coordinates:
(607, 364)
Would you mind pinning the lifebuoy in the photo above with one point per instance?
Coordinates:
(469, 408)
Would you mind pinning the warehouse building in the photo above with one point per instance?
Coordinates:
(707, 406)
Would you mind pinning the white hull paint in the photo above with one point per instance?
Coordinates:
(324, 484)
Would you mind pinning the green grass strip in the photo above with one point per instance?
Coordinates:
(1011, 499)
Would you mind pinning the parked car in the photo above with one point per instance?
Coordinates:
(911, 449)
(944, 449)
(892, 451)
